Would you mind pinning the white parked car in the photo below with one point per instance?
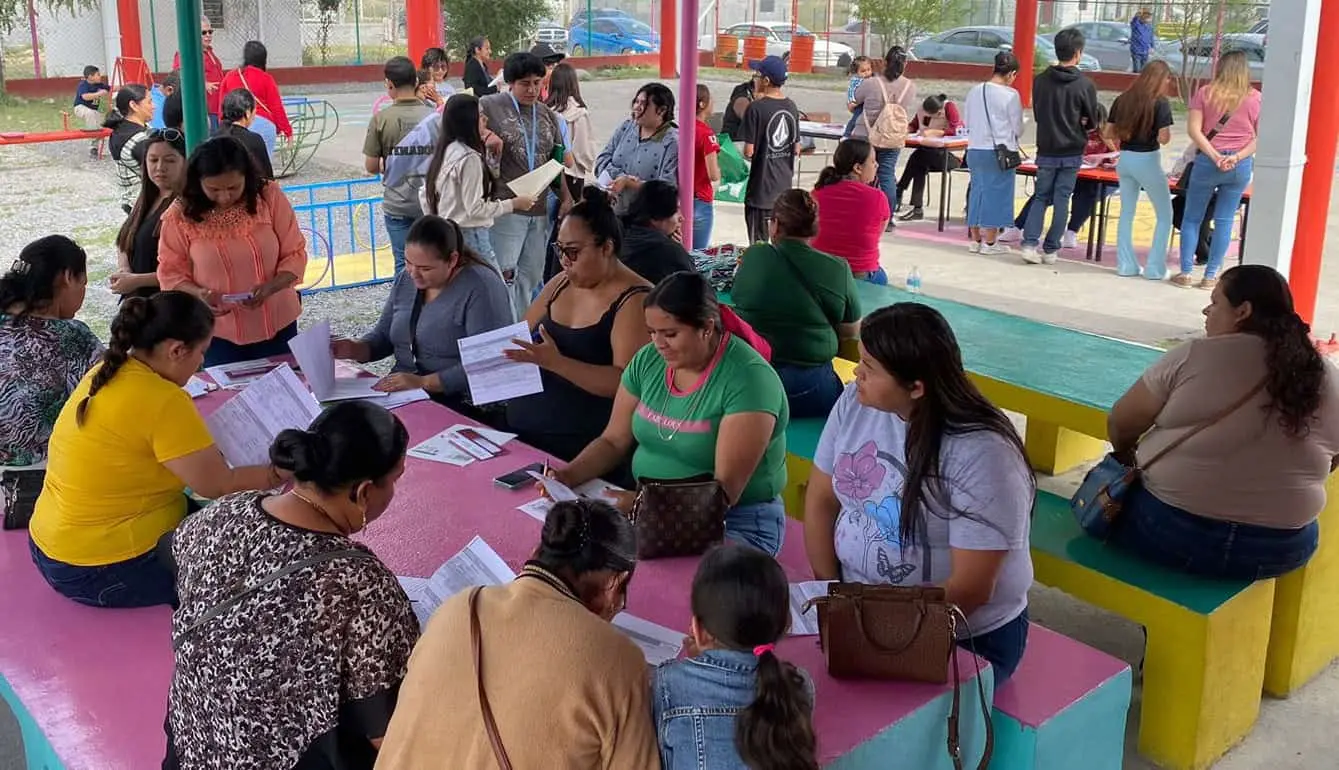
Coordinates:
(778, 35)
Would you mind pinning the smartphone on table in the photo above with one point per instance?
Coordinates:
(520, 477)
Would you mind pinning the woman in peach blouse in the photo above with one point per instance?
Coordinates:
(232, 239)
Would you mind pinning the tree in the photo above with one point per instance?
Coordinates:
(1194, 29)
(15, 12)
(504, 22)
(897, 22)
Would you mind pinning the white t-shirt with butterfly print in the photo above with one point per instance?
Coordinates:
(991, 496)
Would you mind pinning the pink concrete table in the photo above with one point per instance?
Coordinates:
(94, 682)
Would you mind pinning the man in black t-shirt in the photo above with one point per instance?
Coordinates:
(770, 131)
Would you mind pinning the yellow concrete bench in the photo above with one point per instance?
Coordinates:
(801, 442)
(1205, 660)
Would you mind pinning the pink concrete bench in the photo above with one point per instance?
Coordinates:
(91, 685)
(1065, 707)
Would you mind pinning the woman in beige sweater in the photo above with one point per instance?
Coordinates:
(566, 689)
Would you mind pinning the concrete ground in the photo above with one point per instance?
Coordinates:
(1295, 734)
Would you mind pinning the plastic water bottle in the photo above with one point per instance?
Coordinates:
(914, 280)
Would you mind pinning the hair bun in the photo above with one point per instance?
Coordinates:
(592, 195)
(566, 529)
(303, 453)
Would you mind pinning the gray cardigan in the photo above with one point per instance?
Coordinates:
(474, 302)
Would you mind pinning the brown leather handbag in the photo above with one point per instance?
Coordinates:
(476, 645)
(678, 518)
(903, 633)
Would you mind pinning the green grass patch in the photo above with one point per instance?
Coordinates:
(368, 53)
(18, 114)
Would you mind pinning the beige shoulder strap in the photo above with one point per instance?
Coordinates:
(1234, 406)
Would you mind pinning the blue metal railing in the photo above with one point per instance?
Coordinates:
(341, 218)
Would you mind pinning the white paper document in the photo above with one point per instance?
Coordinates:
(557, 490)
(659, 644)
(448, 447)
(477, 564)
(245, 427)
(312, 351)
(534, 184)
(595, 489)
(239, 373)
(805, 623)
(492, 376)
(605, 180)
(197, 387)
(402, 397)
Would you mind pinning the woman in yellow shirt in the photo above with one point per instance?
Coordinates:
(125, 447)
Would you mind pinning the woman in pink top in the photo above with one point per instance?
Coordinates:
(1239, 500)
(232, 240)
(1222, 124)
(851, 214)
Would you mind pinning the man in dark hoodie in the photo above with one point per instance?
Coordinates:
(1064, 103)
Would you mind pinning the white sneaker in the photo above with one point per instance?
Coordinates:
(995, 248)
(1031, 255)
(1011, 235)
(1070, 240)
(974, 247)
(1048, 259)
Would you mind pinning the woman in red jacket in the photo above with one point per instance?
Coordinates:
(937, 118)
(253, 77)
(213, 72)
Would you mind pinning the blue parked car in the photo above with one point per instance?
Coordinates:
(611, 35)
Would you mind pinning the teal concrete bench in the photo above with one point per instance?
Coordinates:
(1064, 707)
(1205, 659)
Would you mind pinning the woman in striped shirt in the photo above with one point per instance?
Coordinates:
(232, 239)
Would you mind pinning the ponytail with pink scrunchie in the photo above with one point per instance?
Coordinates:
(760, 649)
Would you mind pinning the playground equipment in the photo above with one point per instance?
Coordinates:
(66, 134)
(346, 242)
(314, 121)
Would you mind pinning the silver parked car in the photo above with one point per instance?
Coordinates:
(1108, 42)
(1195, 58)
(978, 45)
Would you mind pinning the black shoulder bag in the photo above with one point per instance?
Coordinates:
(1007, 159)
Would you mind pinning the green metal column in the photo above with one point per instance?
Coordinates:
(192, 72)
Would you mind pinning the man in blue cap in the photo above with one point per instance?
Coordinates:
(770, 131)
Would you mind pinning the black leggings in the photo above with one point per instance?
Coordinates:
(923, 162)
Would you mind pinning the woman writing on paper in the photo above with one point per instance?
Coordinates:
(95, 535)
(304, 672)
(446, 292)
(566, 689)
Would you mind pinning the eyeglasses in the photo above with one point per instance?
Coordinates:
(167, 135)
(569, 252)
(206, 32)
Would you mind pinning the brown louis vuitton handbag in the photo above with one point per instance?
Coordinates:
(678, 518)
(902, 633)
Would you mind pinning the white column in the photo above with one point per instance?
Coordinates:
(1281, 150)
(111, 37)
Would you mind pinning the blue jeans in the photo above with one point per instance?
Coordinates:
(811, 390)
(1082, 205)
(1003, 647)
(222, 351)
(855, 116)
(1213, 548)
(520, 242)
(761, 525)
(877, 277)
(1056, 178)
(397, 228)
(886, 179)
(480, 241)
(704, 215)
(144, 581)
(1143, 171)
(1204, 183)
(1138, 61)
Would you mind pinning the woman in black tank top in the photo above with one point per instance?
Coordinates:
(587, 323)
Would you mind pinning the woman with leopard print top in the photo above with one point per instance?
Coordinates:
(292, 639)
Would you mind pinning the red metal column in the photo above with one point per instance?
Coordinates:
(669, 38)
(127, 18)
(423, 20)
(1318, 175)
(1025, 46)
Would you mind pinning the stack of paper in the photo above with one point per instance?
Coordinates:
(477, 564)
(452, 448)
(492, 376)
(312, 351)
(246, 425)
(534, 184)
(805, 623)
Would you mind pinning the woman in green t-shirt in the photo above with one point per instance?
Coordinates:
(697, 401)
(802, 301)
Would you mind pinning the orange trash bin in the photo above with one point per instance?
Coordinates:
(754, 48)
(727, 51)
(802, 53)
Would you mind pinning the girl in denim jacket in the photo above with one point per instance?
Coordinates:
(734, 705)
